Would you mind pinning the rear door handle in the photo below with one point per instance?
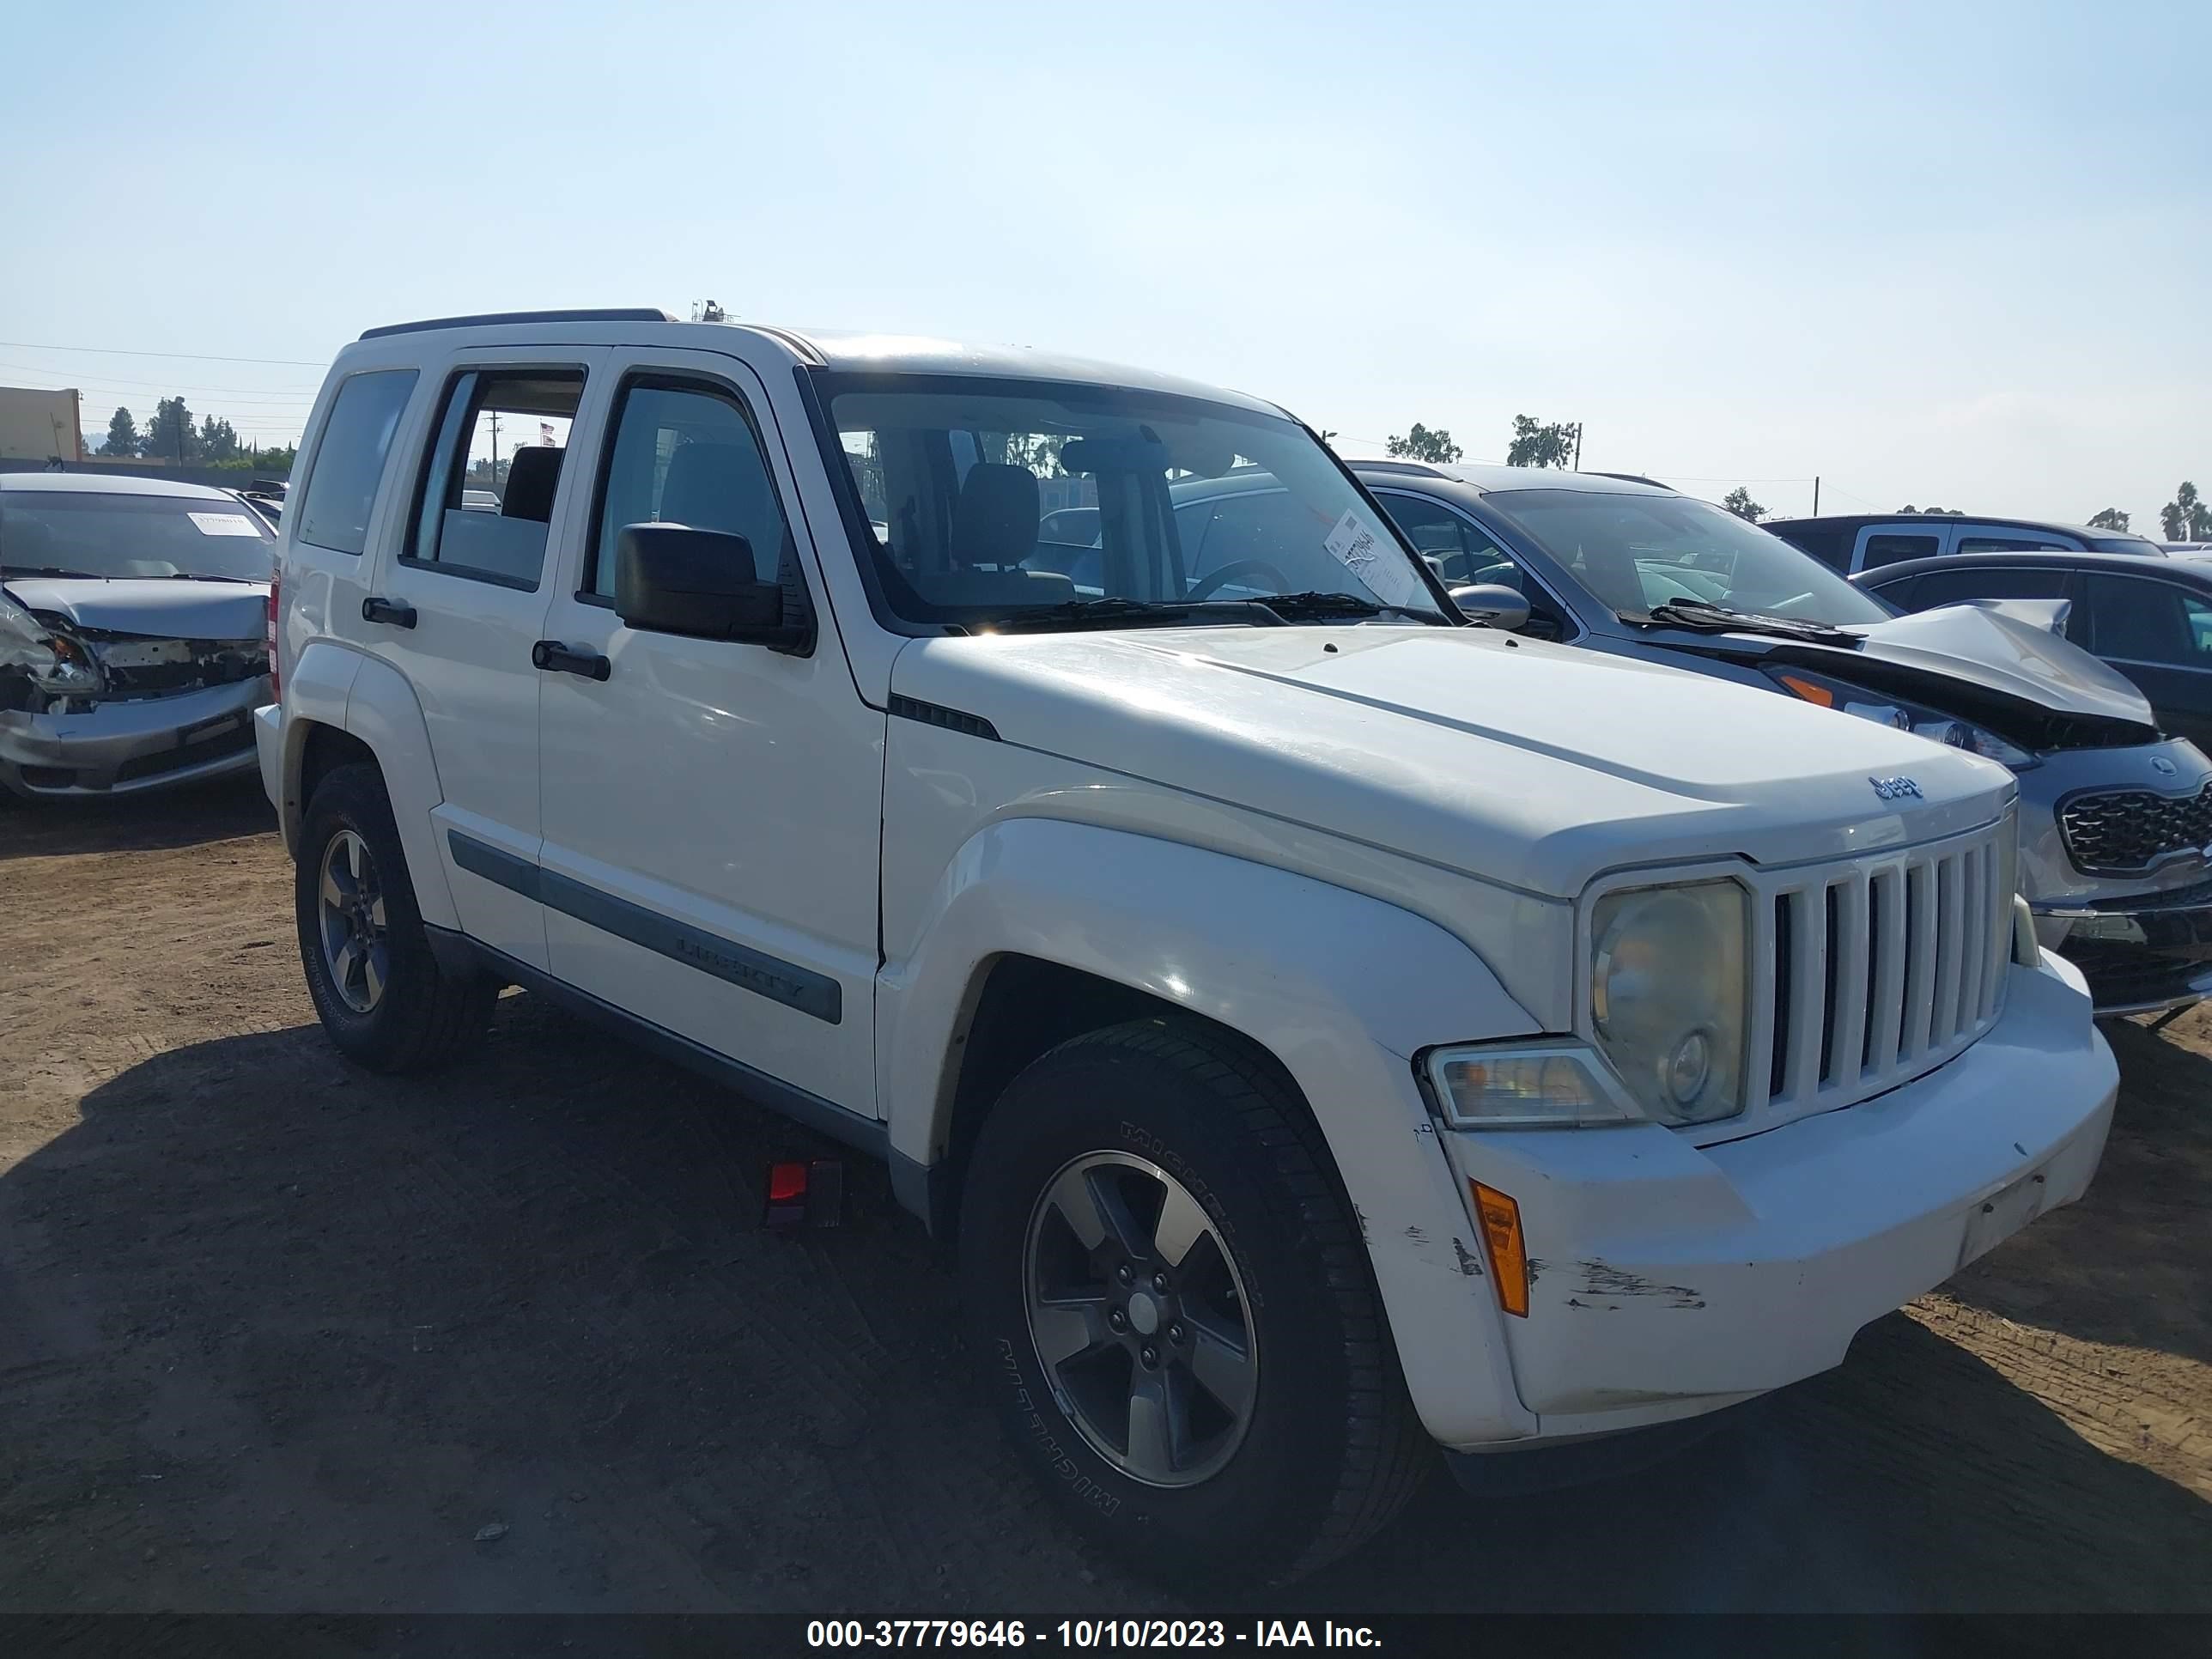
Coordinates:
(556, 658)
(387, 611)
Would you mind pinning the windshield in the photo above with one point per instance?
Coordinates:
(991, 499)
(63, 533)
(1638, 552)
(2138, 545)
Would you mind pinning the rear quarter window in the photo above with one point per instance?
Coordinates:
(349, 464)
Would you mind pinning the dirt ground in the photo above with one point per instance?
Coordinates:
(276, 1335)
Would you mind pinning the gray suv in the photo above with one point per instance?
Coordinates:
(1636, 570)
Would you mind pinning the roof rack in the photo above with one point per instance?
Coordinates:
(486, 319)
(1410, 468)
(1635, 477)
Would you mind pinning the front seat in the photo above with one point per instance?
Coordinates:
(995, 528)
(533, 477)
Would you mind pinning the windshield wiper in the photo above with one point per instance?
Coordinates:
(1312, 606)
(1114, 612)
(1719, 619)
(50, 570)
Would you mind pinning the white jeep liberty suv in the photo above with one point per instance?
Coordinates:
(1329, 1028)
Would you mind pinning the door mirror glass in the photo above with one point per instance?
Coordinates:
(671, 578)
(1494, 604)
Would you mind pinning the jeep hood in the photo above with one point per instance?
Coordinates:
(173, 608)
(1533, 765)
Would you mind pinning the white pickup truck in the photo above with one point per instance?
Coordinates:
(1331, 1029)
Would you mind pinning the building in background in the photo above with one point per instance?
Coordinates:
(36, 425)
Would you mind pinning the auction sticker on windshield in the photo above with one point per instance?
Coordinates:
(223, 524)
(1362, 549)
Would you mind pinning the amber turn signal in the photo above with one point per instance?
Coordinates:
(1502, 1243)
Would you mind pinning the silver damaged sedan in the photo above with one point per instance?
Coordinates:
(133, 643)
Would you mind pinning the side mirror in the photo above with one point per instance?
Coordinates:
(1494, 604)
(671, 578)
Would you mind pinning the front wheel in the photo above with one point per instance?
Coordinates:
(1166, 1289)
(382, 995)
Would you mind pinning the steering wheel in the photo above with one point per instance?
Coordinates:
(1207, 587)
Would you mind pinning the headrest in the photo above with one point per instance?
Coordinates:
(996, 520)
(532, 477)
(722, 487)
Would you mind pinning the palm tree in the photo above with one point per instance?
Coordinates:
(2186, 519)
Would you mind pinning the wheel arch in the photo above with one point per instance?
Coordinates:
(342, 706)
(1036, 921)
(1018, 1009)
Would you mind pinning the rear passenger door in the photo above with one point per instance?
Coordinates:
(461, 602)
(713, 808)
(2159, 634)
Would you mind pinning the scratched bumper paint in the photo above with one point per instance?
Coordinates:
(1670, 1279)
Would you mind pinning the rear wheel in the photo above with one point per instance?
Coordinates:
(382, 993)
(1166, 1285)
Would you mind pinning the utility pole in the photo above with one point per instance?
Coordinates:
(1816, 495)
(1578, 446)
(494, 449)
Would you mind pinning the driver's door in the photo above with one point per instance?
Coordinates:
(712, 809)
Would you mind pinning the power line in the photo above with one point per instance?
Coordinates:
(113, 380)
(188, 356)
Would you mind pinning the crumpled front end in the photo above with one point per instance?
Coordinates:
(118, 712)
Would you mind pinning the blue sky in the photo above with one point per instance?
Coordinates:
(1944, 253)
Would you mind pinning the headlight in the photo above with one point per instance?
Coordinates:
(1887, 710)
(1548, 1084)
(1669, 998)
(55, 665)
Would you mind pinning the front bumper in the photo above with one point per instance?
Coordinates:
(1668, 1280)
(2140, 954)
(122, 747)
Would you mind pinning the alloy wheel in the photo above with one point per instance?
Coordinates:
(350, 917)
(1139, 1319)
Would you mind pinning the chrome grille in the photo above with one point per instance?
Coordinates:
(2118, 832)
(1877, 969)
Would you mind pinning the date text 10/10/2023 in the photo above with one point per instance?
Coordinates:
(1085, 1633)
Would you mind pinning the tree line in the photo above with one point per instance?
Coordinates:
(171, 435)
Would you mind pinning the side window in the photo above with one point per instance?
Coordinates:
(494, 470)
(1905, 595)
(685, 454)
(1438, 534)
(349, 460)
(2008, 582)
(1891, 548)
(2149, 622)
(2022, 542)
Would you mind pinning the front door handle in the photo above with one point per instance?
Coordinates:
(556, 658)
(387, 611)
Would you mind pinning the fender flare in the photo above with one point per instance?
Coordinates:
(332, 684)
(315, 691)
(1342, 989)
